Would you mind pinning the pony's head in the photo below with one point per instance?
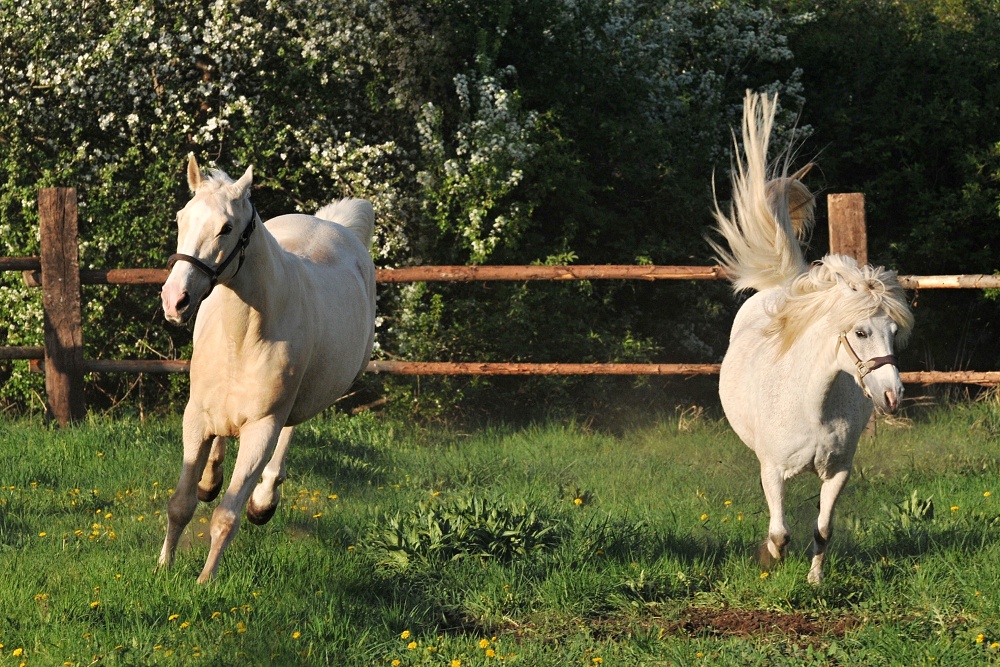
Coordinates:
(213, 230)
(863, 308)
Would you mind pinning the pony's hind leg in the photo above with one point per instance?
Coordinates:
(211, 479)
(265, 498)
(181, 506)
(828, 494)
(774, 548)
(257, 441)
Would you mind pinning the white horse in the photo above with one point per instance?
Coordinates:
(812, 351)
(285, 324)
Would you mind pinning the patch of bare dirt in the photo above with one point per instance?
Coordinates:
(700, 622)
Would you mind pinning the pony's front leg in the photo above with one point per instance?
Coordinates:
(181, 506)
(257, 441)
(778, 536)
(264, 501)
(828, 495)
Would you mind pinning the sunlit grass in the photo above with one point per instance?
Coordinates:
(640, 527)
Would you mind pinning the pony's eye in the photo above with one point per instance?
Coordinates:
(226, 228)
(860, 334)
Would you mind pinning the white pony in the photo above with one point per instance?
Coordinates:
(812, 350)
(285, 324)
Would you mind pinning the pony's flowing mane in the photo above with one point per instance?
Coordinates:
(837, 288)
(214, 180)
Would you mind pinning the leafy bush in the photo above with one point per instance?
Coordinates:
(462, 527)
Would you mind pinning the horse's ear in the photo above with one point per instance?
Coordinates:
(241, 188)
(193, 174)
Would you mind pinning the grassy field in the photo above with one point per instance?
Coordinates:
(553, 544)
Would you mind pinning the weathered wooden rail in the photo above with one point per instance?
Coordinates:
(56, 271)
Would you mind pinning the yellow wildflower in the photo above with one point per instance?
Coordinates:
(173, 617)
(456, 663)
(18, 652)
(296, 634)
(95, 604)
(578, 501)
(980, 638)
(484, 643)
(411, 645)
(490, 653)
(397, 662)
(765, 575)
(405, 634)
(704, 517)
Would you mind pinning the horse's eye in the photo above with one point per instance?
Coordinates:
(226, 228)
(860, 334)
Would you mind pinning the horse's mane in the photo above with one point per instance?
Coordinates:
(214, 180)
(838, 288)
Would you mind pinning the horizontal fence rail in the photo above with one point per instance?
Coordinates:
(62, 362)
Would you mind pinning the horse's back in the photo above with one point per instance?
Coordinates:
(345, 226)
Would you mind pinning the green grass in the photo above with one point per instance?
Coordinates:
(546, 545)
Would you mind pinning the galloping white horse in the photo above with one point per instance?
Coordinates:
(812, 350)
(285, 325)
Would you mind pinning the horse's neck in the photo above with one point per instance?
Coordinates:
(257, 289)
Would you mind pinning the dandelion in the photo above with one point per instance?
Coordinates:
(954, 508)
(986, 494)
(317, 515)
(185, 624)
(173, 617)
(18, 652)
(484, 643)
(995, 645)
(704, 517)
(296, 634)
(699, 654)
(456, 663)
(578, 501)
(397, 662)
(95, 604)
(411, 645)
(405, 634)
(241, 627)
(597, 660)
(980, 638)
(728, 503)
(42, 534)
(765, 575)
(490, 653)
(332, 496)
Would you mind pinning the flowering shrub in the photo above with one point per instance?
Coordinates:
(480, 131)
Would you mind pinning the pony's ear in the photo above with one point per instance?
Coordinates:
(193, 174)
(241, 188)
(801, 173)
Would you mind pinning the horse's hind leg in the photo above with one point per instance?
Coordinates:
(264, 501)
(828, 494)
(257, 441)
(776, 545)
(181, 506)
(211, 479)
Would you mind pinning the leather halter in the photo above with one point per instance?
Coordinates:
(214, 274)
(865, 367)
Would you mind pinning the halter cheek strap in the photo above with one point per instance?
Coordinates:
(214, 274)
(865, 367)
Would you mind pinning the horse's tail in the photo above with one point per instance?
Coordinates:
(772, 211)
(356, 215)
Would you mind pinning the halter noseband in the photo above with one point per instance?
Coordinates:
(213, 274)
(865, 367)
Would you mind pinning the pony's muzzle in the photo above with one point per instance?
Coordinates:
(891, 402)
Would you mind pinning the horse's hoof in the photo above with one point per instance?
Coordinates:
(208, 495)
(257, 516)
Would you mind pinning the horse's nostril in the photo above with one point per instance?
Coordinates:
(183, 301)
(891, 401)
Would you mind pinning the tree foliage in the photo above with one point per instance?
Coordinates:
(545, 131)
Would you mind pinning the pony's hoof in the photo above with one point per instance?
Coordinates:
(257, 516)
(208, 495)
(764, 557)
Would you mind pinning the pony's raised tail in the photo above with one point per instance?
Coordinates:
(357, 215)
(772, 213)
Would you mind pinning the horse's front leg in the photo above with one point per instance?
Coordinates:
(181, 506)
(774, 548)
(211, 479)
(257, 441)
(264, 501)
(828, 495)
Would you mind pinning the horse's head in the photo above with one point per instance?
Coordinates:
(213, 230)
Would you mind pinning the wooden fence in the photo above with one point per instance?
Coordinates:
(57, 272)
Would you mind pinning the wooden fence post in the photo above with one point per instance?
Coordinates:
(848, 233)
(57, 219)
